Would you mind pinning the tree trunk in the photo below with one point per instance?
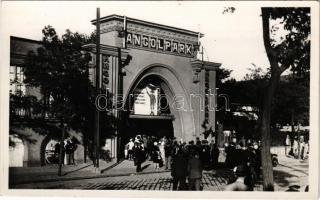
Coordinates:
(61, 151)
(267, 171)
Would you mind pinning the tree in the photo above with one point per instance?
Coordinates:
(291, 104)
(293, 53)
(222, 75)
(289, 51)
(60, 70)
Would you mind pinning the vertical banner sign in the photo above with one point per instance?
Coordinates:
(124, 31)
(146, 100)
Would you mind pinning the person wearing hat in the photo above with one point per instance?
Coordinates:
(241, 172)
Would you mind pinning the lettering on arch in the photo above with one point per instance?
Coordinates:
(159, 44)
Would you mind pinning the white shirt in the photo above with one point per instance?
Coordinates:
(130, 144)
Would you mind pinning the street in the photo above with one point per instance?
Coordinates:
(152, 181)
(289, 173)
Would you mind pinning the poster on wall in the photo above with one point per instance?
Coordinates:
(146, 100)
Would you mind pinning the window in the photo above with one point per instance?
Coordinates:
(16, 80)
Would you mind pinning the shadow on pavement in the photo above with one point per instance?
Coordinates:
(77, 170)
(281, 178)
(145, 167)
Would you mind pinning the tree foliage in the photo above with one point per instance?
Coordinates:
(293, 51)
(60, 70)
(292, 101)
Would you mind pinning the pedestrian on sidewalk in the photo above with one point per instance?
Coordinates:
(156, 155)
(126, 147)
(168, 150)
(68, 148)
(130, 147)
(179, 170)
(195, 168)
(295, 147)
(204, 153)
(215, 155)
(138, 156)
(287, 144)
(73, 148)
(162, 143)
(301, 147)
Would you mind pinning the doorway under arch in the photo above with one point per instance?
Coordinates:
(143, 120)
(166, 78)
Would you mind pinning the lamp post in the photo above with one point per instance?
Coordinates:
(98, 86)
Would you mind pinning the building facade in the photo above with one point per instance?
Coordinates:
(158, 85)
(139, 55)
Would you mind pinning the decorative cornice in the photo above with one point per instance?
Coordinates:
(198, 66)
(115, 23)
(129, 20)
(211, 66)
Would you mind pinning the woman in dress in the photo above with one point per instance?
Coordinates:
(156, 155)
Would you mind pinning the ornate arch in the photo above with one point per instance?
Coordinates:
(184, 120)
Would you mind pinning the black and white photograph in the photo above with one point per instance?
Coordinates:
(160, 96)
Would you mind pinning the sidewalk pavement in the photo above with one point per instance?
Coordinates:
(289, 173)
(20, 175)
(24, 175)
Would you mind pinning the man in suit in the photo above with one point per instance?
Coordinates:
(195, 169)
(179, 170)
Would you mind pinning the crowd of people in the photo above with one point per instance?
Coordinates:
(297, 147)
(184, 160)
(187, 160)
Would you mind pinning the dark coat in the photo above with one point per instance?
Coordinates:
(138, 154)
(179, 166)
(155, 154)
(242, 156)
(168, 149)
(231, 156)
(194, 168)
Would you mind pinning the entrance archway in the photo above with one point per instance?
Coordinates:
(179, 106)
(146, 117)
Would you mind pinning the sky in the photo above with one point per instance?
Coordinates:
(235, 40)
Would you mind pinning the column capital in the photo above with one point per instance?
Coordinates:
(211, 66)
(198, 66)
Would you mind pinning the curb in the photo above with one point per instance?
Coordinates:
(65, 178)
(89, 177)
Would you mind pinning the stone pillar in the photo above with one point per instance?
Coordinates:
(204, 74)
(110, 58)
(212, 93)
